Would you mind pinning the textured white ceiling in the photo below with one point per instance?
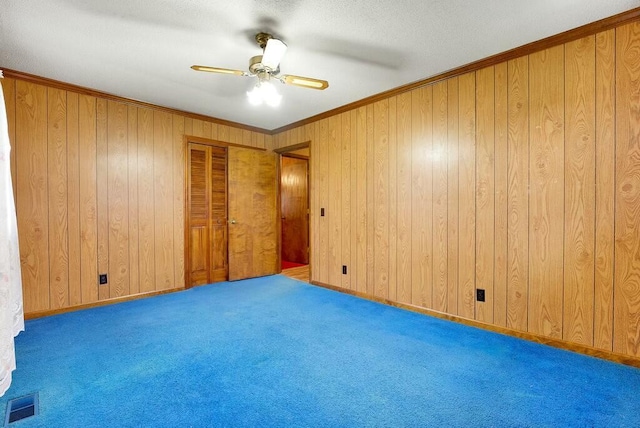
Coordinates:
(143, 49)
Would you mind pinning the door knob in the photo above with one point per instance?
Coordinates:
(232, 221)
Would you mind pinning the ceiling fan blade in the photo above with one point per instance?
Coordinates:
(305, 82)
(218, 70)
(273, 53)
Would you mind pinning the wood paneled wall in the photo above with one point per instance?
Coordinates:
(522, 179)
(99, 188)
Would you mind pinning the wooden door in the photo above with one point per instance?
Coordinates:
(207, 215)
(218, 255)
(295, 209)
(253, 214)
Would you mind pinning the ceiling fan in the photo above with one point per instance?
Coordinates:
(266, 67)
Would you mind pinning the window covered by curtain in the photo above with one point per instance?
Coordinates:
(11, 312)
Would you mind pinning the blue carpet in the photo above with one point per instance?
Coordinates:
(277, 352)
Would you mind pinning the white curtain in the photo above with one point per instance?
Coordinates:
(11, 312)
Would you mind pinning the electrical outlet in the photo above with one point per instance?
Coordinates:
(103, 278)
(480, 295)
(321, 212)
(344, 269)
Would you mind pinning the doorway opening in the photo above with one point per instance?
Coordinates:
(294, 206)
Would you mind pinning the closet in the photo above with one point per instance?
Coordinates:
(231, 213)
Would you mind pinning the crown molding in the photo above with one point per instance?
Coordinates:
(549, 42)
(31, 78)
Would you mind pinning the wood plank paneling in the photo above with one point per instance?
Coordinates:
(146, 205)
(277, 141)
(485, 191)
(334, 201)
(163, 199)
(118, 198)
(314, 194)
(353, 198)
(501, 196)
(370, 189)
(626, 328)
(518, 194)
(214, 130)
(102, 194)
(188, 126)
(314, 210)
(58, 198)
(403, 160)
(393, 199)
(467, 201)
(88, 198)
(246, 138)
(439, 164)
(198, 129)
(541, 158)
(345, 192)
(421, 207)
(73, 199)
(381, 198)
(223, 133)
(579, 190)
(94, 200)
(257, 140)
(235, 136)
(132, 160)
(546, 200)
(32, 193)
(605, 190)
(453, 248)
(322, 137)
(178, 156)
(361, 204)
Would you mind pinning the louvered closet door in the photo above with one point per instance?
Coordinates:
(219, 267)
(207, 203)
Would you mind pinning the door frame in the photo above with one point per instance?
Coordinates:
(186, 139)
(285, 151)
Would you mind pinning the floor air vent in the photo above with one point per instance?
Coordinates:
(21, 408)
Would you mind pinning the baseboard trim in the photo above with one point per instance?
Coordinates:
(40, 314)
(532, 337)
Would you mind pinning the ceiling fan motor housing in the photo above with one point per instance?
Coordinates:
(262, 39)
(256, 67)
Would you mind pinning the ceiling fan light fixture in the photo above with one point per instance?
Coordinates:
(273, 53)
(264, 92)
(264, 67)
(254, 96)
